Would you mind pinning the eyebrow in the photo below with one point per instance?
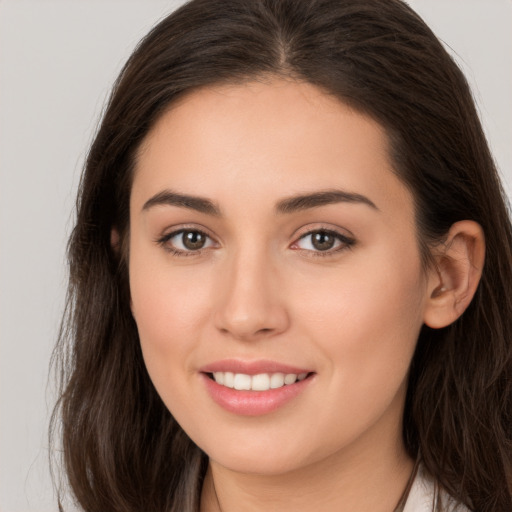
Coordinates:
(170, 198)
(284, 206)
(321, 198)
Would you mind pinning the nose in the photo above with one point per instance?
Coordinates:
(250, 304)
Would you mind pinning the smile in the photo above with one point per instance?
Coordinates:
(253, 388)
(260, 382)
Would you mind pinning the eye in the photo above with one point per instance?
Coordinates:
(323, 241)
(186, 241)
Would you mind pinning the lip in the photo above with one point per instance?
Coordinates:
(253, 403)
(252, 367)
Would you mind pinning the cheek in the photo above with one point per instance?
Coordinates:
(170, 310)
(366, 320)
(364, 323)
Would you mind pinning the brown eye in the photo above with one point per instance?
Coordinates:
(322, 241)
(193, 240)
(186, 242)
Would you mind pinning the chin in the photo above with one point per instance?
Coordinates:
(272, 459)
(259, 464)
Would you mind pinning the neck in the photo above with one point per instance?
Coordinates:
(369, 477)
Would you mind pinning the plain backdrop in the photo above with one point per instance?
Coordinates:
(58, 60)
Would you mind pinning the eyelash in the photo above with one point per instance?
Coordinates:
(346, 242)
(163, 241)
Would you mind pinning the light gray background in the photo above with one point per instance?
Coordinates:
(57, 62)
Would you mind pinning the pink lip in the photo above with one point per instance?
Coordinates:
(251, 367)
(253, 403)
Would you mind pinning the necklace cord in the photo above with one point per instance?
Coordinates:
(405, 495)
(399, 508)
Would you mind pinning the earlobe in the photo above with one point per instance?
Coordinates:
(454, 280)
(115, 240)
(115, 244)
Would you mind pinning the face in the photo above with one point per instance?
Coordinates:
(275, 275)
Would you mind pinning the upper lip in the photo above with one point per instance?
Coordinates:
(251, 367)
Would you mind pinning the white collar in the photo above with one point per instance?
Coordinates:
(423, 496)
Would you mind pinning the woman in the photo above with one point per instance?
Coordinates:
(289, 272)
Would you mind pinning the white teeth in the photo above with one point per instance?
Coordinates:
(260, 382)
(229, 379)
(242, 381)
(277, 380)
(290, 378)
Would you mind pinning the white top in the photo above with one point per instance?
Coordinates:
(422, 496)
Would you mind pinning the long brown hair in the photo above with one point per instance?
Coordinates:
(122, 449)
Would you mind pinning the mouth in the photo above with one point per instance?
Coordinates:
(258, 382)
(253, 388)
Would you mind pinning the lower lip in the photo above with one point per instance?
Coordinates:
(254, 403)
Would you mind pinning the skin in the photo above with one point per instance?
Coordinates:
(257, 290)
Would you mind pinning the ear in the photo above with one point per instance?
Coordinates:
(454, 280)
(115, 240)
(115, 244)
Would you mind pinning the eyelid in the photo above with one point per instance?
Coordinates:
(313, 228)
(176, 230)
(346, 238)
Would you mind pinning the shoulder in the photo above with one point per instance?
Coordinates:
(424, 497)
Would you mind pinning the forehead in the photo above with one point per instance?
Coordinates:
(264, 140)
